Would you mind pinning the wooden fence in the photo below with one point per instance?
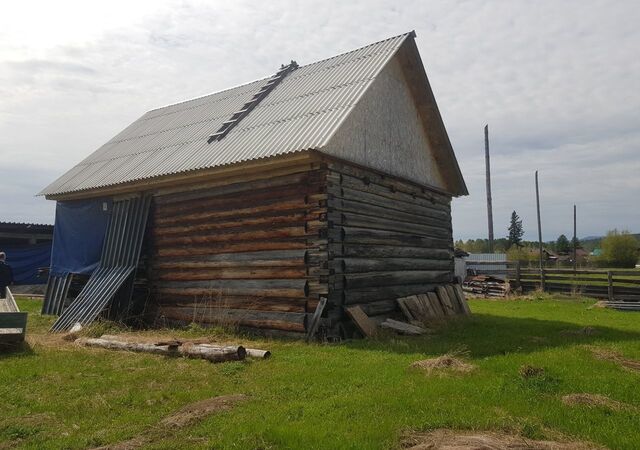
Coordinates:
(612, 285)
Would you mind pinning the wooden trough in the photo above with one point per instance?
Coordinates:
(13, 323)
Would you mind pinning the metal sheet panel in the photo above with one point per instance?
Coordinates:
(56, 294)
(119, 260)
(301, 113)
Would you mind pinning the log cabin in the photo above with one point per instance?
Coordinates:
(271, 206)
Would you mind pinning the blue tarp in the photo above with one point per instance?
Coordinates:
(78, 235)
(25, 261)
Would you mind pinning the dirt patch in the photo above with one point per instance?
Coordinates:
(610, 355)
(168, 426)
(528, 371)
(450, 361)
(475, 440)
(595, 400)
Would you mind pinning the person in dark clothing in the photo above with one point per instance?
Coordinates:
(6, 275)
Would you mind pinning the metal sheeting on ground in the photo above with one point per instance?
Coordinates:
(56, 294)
(119, 261)
(301, 113)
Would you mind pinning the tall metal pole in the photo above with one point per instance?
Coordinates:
(575, 242)
(488, 178)
(539, 233)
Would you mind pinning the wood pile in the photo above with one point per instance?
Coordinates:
(486, 286)
(445, 301)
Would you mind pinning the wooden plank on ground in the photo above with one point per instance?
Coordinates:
(429, 312)
(461, 298)
(402, 327)
(362, 321)
(315, 319)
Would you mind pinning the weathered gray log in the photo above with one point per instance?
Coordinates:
(401, 327)
(357, 221)
(258, 354)
(359, 265)
(355, 235)
(209, 352)
(384, 293)
(363, 280)
(390, 250)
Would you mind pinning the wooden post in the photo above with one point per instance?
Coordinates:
(518, 283)
(488, 180)
(575, 243)
(542, 281)
(610, 285)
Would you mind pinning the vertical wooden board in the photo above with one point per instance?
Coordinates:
(445, 301)
(402, 303)
(463, 301)
(414, 307)
(426, 306)
(435, 304)
(362, 321)
(454, 299)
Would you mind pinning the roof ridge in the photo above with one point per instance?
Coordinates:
(408, 33)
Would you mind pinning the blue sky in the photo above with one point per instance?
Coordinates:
(558, 82)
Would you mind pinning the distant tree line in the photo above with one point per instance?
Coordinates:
(618, 248)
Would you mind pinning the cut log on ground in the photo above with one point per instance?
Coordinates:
(203, 351)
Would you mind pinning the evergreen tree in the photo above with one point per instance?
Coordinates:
(562, 244)
(515, 230)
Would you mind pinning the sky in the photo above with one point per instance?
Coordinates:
(558, 82)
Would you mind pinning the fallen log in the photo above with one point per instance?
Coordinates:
(203, 351)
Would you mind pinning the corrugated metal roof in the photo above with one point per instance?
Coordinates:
(301, 113)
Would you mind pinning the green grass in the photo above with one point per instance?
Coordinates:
(358, 394)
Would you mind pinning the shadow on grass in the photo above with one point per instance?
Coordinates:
(488, 335)
(20, 349)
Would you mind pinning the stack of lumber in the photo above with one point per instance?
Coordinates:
(623, 306)
(446, 301)
(486, 286)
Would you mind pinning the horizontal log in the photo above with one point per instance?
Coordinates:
(231, 248)
(350, 174)
(211, 353)
(434, 211)
(251, 185)
(214, 288)
(194, 274)
(373, 294)
(358, 265)
(392, 251)
(191, 264)
(379, 307)
(353, 235)
(371, 279)
(389, 211)
(256, 319)
(215, 237)
(367, 222)
(249, 198)
(208, 215)
(284, 304)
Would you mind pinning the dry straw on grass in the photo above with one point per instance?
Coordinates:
(615, 357)
(474, 440)
(451, 361)
(595, 400)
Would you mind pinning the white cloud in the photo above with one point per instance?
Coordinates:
(558, 82)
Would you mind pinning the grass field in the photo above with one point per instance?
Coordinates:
(358, 394)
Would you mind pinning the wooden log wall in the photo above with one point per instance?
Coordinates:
(251, 254)
(387, 239)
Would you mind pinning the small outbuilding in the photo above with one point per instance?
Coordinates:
(323, 186)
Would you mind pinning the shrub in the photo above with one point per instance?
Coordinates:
(620, 249)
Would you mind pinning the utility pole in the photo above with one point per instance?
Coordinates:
(542, 281)
(575, 243)
(488, 177)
